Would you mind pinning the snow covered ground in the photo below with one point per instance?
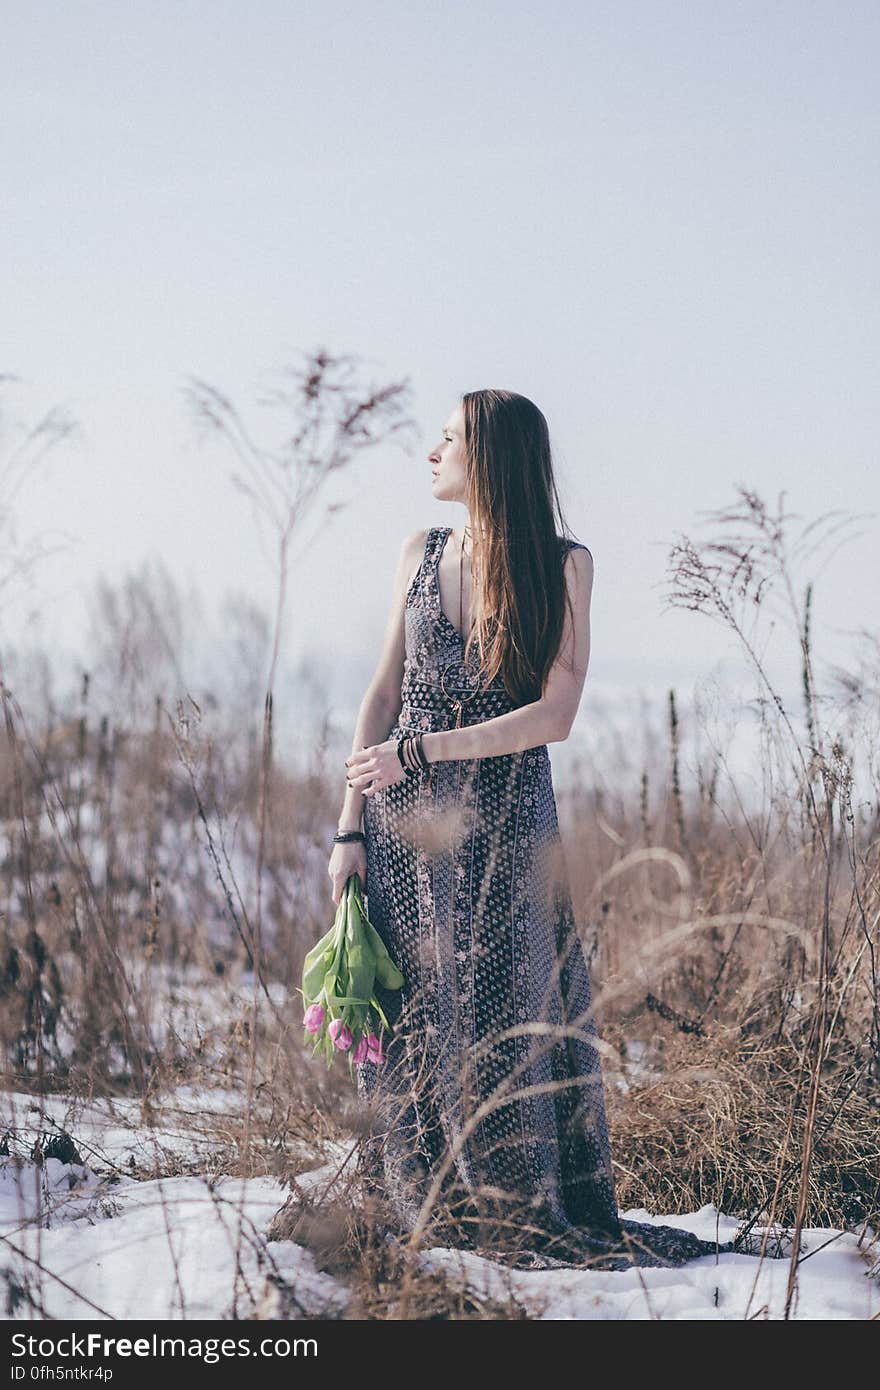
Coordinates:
(85, 1240)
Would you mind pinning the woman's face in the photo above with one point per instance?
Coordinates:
(447, 460)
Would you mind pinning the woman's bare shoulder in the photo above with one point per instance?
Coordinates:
(415, 540)
(571, 544)
(412, 551)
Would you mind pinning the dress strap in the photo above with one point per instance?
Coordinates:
(576, 545)
(425, 574)
(434, 543)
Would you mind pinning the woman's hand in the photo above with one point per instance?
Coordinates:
(347, 859)
(375, 768)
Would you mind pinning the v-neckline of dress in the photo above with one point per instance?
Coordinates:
(436, 584)
(439, 606)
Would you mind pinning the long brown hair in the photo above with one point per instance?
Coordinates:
(519, 590)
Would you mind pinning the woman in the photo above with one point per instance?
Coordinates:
(488, 1124)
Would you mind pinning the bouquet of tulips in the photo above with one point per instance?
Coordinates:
(339, 977)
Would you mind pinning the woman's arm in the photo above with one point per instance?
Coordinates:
(382, 702)
(549, 719)
(374, 722)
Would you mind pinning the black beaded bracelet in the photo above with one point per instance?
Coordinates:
(404, 754)
(343, 837)
(410, 753)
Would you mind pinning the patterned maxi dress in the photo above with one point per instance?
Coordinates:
(488, 1114)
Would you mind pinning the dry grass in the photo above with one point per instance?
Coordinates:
(714, 1127)
(737, 946)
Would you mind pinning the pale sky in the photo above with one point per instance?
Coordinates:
(657, 220)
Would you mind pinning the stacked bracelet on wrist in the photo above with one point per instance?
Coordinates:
(411, 754)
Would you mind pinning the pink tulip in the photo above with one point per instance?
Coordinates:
(360, 1053)
(340, 1034)
(314, 1017)
(374, 1049)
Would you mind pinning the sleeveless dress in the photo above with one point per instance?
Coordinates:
(491, 1076)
